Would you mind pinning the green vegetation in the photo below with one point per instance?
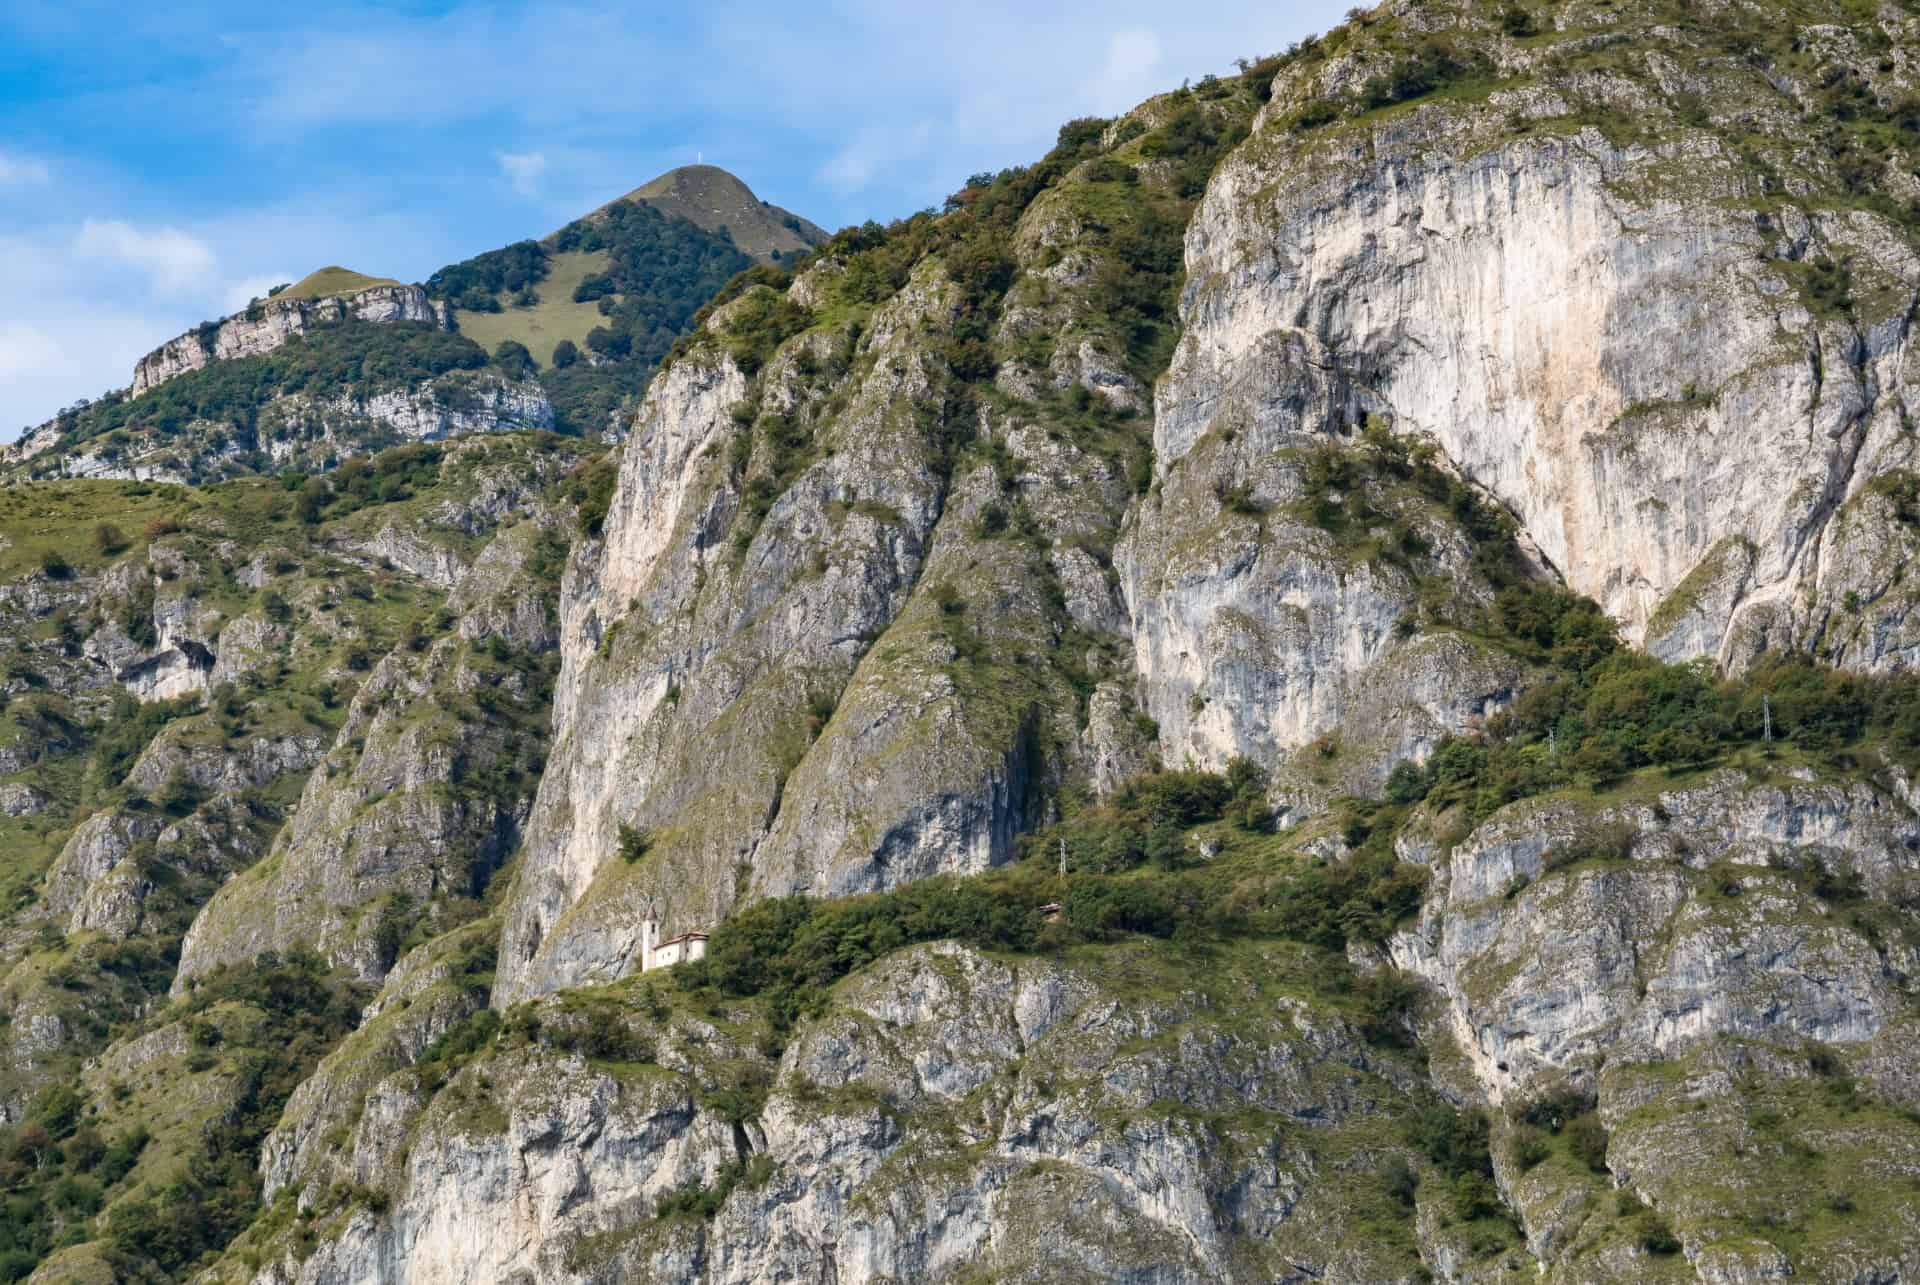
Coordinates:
(552, 321)
(1569, 1118)
(307, 1010)
(1598, 710)
(390, 477)
(591, 488)
(328, 282)
(621, 284)
(474, 285)
(348, 359)
(703, 1200)
(56, 1171)
(1133, 868)
(1457, 1144)
(1418, 71)
(1134, 230)
(128, 728)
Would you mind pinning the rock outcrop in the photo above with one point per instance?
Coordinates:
(951, 1114)
(271, 322)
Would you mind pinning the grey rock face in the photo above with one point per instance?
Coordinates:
(951, 1114)
(304, 431)
(687, 674)
(1562, 935)
(849, 624)
(1540, 307)
(18, 800)
(275, 321)
(1255, 633)
(421, 796)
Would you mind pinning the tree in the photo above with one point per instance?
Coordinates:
(565, 353)
(109, 539)
(313, 500)
(513, 359)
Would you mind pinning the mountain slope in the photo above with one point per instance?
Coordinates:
(556, 334)
(599, 303)
(1148, 678)
(711, 198)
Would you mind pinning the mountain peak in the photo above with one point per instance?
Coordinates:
(712, 198)
(333, 280)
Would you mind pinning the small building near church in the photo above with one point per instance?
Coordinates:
(683, 949)
(655, 953)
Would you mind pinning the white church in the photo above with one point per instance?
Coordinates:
(655, 953)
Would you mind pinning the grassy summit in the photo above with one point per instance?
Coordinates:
(331, 281)
(710, 198)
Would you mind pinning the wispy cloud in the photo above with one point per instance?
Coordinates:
(1130, 72)
(523, 169)
(247, 289)
(25, 349)
(873, 152)
(173, 261)
(18, 170)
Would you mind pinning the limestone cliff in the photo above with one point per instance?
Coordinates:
(271, 322)
(1155, 677)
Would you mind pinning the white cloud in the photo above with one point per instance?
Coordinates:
(245, 291)
(21, 170)
(50, 362)
(523, 170)
(873, 151)
(174, 261)
(1130, 73)
(25, 350)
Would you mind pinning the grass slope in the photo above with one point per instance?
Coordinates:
(330, 281)
(555, 317)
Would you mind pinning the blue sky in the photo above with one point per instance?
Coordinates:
(160, 164)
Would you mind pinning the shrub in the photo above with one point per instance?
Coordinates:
(1517, 22)
(1587, 1140)
(179, 795)
(1432, 66)
(472, 284)
(1402, 1185)
(54, 565)
(1529, 1147)
(1456, 1141)
(108, 539)
(591, 488)
(1655, 1234)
